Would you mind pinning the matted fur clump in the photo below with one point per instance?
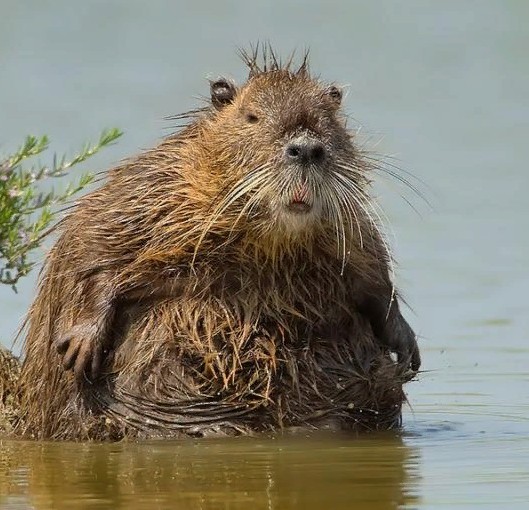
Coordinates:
(232, 279)
(9, 402)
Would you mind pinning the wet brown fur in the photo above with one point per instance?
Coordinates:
(223, 321)
(9, 397)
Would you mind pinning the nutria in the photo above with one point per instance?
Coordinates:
(231, 279)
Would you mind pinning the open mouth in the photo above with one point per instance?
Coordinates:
(299, 203)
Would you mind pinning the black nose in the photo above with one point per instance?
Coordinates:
(305, 151)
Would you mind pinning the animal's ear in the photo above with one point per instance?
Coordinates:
(335, 94)
(223, 92)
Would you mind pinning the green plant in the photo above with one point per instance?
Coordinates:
(26, 212)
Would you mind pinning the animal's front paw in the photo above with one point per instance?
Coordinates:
(81, 351)
(393, 332)
(403, 341)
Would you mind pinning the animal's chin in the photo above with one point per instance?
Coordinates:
(298, 216)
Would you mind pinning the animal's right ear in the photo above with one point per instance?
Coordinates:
(223, 92)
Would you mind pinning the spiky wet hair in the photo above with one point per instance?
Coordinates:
(262, 58)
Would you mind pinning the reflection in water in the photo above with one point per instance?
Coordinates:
(373, 472)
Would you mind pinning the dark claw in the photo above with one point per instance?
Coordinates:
(407, 349)
(416, 358)
(410, 356)
(63, 343)
(96, 362)
(70, 356)
(83, 360)
(401, 339)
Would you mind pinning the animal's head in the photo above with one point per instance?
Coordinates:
(280, 145)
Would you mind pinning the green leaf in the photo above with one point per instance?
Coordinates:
(26, 213)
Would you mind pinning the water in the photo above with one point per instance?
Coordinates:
(443, 86)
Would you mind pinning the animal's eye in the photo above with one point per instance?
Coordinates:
(334, 93)
(252, 118)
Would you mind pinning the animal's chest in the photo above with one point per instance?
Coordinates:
(309, 295)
